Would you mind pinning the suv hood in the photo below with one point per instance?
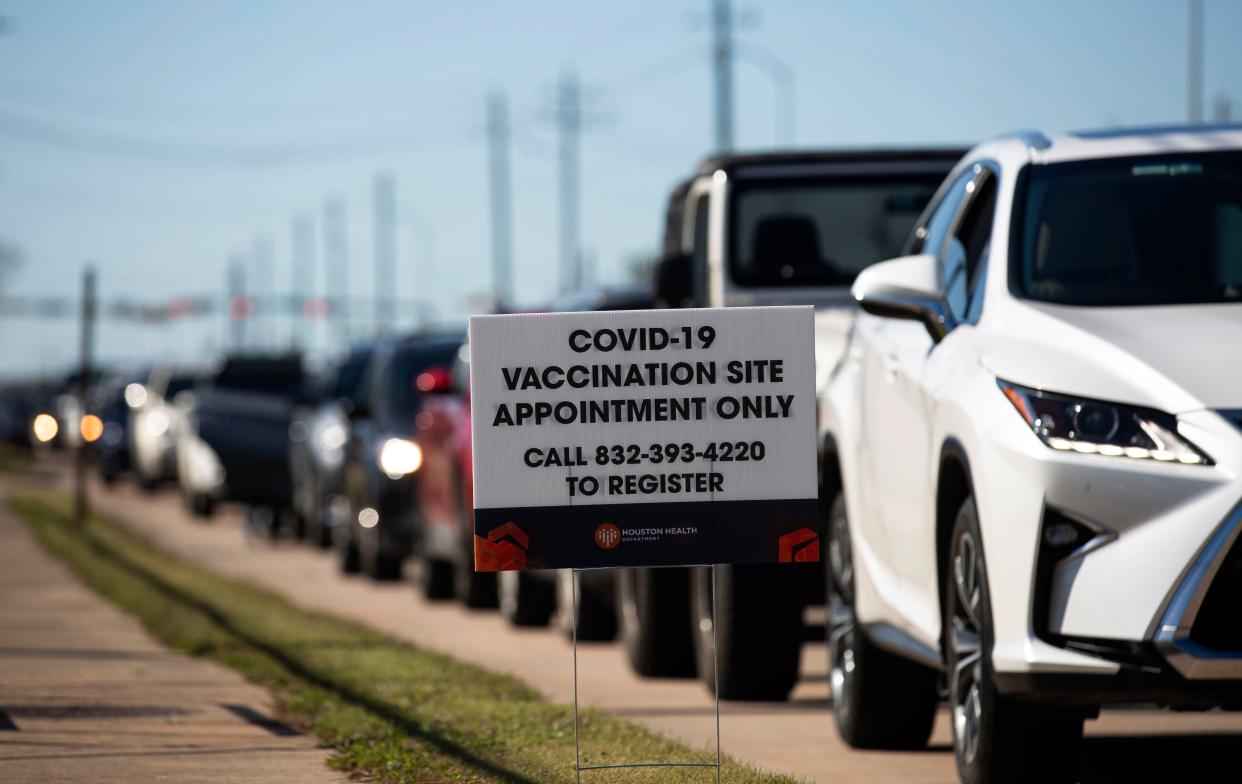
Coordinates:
(1175, 358)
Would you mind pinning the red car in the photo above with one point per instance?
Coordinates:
(446, 489)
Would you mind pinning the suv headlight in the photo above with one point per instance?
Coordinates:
(1093, 427)
(398, 458)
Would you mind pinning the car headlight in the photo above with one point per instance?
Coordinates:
(332, 438)
(1093, 427)
(157, 423)
(398, 458)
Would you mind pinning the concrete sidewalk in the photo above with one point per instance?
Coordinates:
(87, 695)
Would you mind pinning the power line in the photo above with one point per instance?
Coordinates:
(606, 36)
(25, 128)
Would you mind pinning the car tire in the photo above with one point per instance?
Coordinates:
(596, 617)
(653, 611)
(382, 565)
(202, 506)
(526, 600)
(321, 525)
(435, 579)
(349, 555)
(879, 700)
(476, 590)
(995, 739)
(759, 630)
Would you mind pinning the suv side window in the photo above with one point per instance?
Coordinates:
(966, 251)
(929, 237)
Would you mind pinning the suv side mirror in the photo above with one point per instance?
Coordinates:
(674, 280)
(434, 381)
(905, 288)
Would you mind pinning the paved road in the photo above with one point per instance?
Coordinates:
(797, 737)
(87, 695)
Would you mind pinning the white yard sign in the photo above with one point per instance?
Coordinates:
(638, 438)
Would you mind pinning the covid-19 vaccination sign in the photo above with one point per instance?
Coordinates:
(643, 438)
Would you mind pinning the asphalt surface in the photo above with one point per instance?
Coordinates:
(798, 737)
(87, 695)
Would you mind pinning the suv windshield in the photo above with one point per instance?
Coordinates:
(821, 232)
(1151, 230)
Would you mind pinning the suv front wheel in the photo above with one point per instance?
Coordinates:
(881, 701)
(995, 739)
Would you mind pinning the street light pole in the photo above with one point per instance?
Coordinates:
(784, 83)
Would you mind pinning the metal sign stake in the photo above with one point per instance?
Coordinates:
(578, 766)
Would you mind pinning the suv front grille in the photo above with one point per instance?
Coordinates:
(1218, 626)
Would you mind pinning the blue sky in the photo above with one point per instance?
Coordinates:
(183, 131)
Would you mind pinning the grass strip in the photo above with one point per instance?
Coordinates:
(390, 711)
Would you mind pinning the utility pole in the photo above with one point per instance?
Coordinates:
(426, 290)
(264, 290)
(501, 209)
(569, 123)
(1194, 63)
(302, 247)
(722, 72)
(336, 267)
(239, 308)
(384, 196)
(80, 501)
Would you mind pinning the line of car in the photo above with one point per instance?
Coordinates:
(1030, 423)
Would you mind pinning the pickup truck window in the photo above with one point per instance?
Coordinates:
(699, 262)
(820, 232)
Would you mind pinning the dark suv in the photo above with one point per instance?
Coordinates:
(382, 455)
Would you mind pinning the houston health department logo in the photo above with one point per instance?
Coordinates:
(607, 536)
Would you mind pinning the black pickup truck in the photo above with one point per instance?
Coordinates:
(234, 445)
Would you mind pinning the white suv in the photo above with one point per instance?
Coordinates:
(1033, 451)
